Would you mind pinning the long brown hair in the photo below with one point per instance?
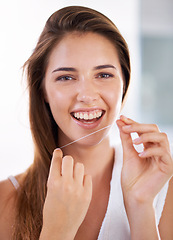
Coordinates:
(32, 192)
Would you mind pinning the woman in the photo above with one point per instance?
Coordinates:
(78, 76)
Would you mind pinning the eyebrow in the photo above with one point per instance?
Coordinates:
(104, 66)
(68, 69)
(71, 69)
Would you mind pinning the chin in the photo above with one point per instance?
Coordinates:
(92, 141)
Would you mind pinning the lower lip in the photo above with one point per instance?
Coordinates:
(88, 125)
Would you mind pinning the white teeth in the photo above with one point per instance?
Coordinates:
(81, 116)
(88, 115)
(91, 116)
(98, 115)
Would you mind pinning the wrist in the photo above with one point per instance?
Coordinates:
(141, 217)
(136, 209)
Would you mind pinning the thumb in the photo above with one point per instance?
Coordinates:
(127, 144)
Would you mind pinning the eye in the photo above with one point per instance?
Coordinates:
(104, 75)
(64, 78)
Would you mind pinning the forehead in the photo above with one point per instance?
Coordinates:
(83, 49)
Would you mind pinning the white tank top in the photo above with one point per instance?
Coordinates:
(14, 182)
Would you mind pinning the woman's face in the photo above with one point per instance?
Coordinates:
(83, 86)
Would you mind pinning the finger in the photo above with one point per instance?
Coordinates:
(55, 167)
(126, 120)
(162, 158)
(159, 138)
(132, 126)
(79, 173)
(67, 167)
(140, 128)
(126, 140)
(163, 155)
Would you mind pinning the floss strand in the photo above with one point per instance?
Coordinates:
(85, 136)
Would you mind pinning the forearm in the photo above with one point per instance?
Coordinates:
(142, 222)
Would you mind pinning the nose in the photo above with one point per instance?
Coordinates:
(87, 92)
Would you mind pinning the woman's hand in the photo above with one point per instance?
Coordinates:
(69, 194)
(143, 174)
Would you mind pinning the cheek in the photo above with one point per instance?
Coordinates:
(114, 97)
(53, 94)
(56, 100)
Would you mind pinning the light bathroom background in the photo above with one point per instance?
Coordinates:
(147, 26)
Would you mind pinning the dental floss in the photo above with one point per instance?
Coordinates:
(85, 136)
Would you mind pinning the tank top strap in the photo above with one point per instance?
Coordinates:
(14, 181)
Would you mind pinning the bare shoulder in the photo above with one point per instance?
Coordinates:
(7, 208)
(166, 222)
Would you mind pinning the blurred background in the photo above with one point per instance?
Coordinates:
(147, 26)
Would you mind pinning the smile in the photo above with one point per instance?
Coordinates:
(88, 117)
